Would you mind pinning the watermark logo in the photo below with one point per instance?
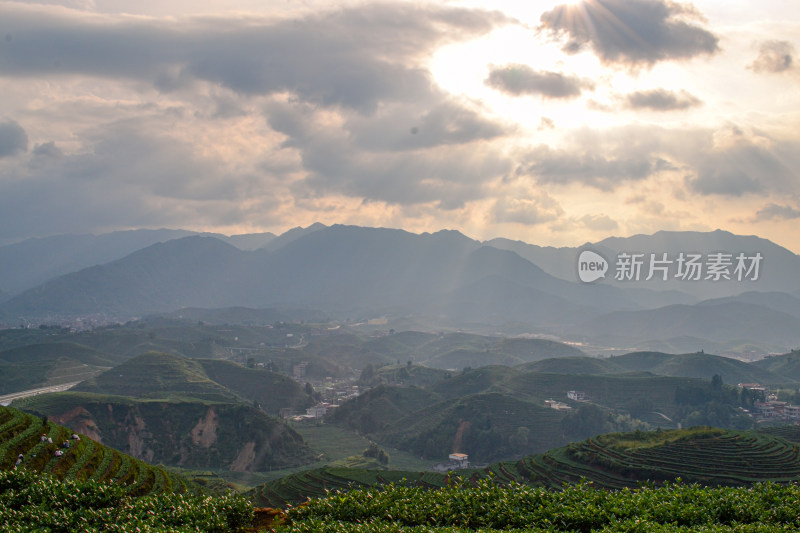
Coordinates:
(591, 266)
(683, 266)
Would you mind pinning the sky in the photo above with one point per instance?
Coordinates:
(555, 123)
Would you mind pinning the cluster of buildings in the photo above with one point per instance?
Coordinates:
(770, 407)
(777, 410)
(314, 413)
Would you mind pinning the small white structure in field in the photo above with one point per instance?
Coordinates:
(576, 395)
(459, 460)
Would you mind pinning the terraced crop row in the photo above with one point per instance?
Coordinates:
(715, 457)
(296, 488)
(84, 459)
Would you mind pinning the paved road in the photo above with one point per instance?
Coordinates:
(8, 398)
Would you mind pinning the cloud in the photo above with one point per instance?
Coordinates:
(777, 212)
(48, 149)
(589, 167)
(733, 161)
(409, 126)
(13, 139)
(528, 209)
(129, 176)
(345, 112)
(632, 32)
(356, 57)
(338, 160)
(730, 161)
(773, 57)
(661, 100)
(519, 79)
(729, 182)
(599, 222)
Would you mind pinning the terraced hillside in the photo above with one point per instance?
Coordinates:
(703, 455)
(296, 488)
(21, 434)
(709, 456)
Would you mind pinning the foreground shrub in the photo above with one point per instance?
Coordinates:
(491, 507)
(36, 502)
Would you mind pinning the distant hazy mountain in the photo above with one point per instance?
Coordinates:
(777, 301)
(28, 263)
(779, 268)
(719, 322)
(291, 235)
(342, 269)
(356, 272)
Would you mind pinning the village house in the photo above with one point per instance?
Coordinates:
(576, 395)
(459, 460)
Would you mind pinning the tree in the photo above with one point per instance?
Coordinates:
(367, 373)
(377, 453)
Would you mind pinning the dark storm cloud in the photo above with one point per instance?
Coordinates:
(777, 212)
(661, 100)
(522, 79)
(13, 139)
(633, 32)
(774, 56)
(351, 57)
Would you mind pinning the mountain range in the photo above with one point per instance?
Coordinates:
(358, 273)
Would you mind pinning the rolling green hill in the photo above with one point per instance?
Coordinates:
(473, 381)
(496, 412)
(402, 374)
(56, 350)
(378, 407)
(700, 365)
(160, 375)
(42, 364)
(487, 426)
(573, 365)
(20, 433)
(188, 433)
(272, 391)
(787, 365)
(704, 455)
